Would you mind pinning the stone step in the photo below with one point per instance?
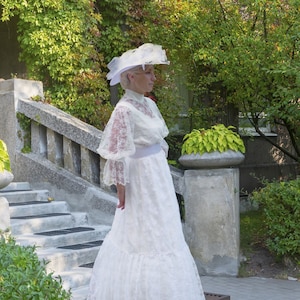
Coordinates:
(75, 278)
(61, 260)
(64, 239)
(38, 223)
(64, 236)
(80, 293)
(17, 209)
(25, 196)
(17, 186)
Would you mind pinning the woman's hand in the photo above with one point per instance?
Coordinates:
(121, 195)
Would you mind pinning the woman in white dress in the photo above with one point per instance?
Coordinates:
(144, 256)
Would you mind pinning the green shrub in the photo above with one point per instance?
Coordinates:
(4, 157)
(281, 204)
(59, 46)
(216, 138)
(23, 276)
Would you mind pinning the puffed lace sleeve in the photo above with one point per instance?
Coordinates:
(117, 144)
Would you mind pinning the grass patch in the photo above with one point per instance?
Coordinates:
(252, 230)
(252, 235)
(257, 259)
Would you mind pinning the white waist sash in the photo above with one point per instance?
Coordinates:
(146, 151)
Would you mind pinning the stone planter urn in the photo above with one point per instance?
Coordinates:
(215, 147)
(213, 159)
(6, 178)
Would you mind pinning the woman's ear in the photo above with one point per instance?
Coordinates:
(130, 76)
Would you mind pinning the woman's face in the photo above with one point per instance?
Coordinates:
(142, 81)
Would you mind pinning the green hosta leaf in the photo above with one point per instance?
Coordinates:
(221, 140)
(214, 145)
(217, 138)
(209, 147)
(221, 148)
(190, 149)
(1, 166)
(4, 157)
(229, 138)
(201, 149)
(234, 147)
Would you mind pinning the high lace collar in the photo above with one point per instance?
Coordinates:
(133, 95)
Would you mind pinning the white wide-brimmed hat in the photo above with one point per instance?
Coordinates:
(147, 54)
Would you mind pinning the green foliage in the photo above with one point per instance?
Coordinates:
(252, 237)
(281, 204)
(245, 54)
(114, 38)
(23, 276)
(175, 145)
(4, 157)
(124, 26)
(59, 46)
(25, 133)
(217, 138)
(253, 230)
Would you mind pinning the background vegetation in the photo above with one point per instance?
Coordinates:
(236, 56)
(280, 202)
(23, 276)
(227, 57)
(269, 239)
(58, 41)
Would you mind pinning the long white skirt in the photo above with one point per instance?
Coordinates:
(145, 256)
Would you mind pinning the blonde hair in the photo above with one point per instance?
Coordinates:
(124, 80)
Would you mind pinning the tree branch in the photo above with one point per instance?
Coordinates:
(286, 152)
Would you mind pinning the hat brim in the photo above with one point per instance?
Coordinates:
(117, 77)
(147, 54)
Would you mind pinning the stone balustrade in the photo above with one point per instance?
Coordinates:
(63, 140)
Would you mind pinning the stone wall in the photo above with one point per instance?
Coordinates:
(262, 160)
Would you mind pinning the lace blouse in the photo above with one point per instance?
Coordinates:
(135, 123)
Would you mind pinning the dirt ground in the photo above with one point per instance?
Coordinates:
(261, 263)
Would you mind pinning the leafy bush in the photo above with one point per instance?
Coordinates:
(281, 204)
(4, 157)
(217, 138)
(58, 41)
(23, 276)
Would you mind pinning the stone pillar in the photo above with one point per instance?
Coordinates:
(212, 219)
(86, 164)
(10, 92)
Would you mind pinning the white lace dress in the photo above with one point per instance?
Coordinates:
(144, 256)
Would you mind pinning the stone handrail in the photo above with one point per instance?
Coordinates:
(63, 140)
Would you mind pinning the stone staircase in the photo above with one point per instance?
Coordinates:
(63, 238)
